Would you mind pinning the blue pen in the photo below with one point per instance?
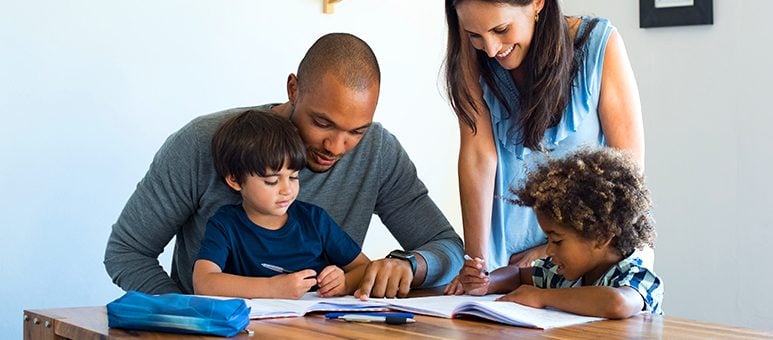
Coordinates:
(337, 315)
(389, 318)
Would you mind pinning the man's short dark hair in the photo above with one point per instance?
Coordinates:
(345, 56)
(255, 141)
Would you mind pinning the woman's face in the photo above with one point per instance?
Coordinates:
(502, 31)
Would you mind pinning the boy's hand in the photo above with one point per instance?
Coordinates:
(474, 277)
(293, 286)
(332, 282)
(526, 295)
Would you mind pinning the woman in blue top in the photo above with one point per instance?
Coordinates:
(528, 83)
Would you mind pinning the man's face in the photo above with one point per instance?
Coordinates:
(331, 118)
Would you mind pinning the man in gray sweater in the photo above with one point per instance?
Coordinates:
(355, 168)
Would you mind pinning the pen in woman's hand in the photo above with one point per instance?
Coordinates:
(468, 258)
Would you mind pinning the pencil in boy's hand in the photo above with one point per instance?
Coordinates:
(277, 269)
(281, 270)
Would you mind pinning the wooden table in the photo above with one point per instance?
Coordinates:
(91, 323)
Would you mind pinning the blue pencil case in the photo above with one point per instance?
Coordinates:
(178, 313)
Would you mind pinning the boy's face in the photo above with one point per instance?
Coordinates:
(266, 199)
(574, 255)
(331, 118)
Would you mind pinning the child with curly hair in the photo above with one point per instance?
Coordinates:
(595, 209)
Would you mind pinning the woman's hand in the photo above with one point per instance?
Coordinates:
(473, 279)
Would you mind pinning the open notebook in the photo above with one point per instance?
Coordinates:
(439, 306)
(485, 307)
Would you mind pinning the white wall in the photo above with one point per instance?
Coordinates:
(705, 96)
(90, 89)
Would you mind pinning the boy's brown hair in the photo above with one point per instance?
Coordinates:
(255, 141)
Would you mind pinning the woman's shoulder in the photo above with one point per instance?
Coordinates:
(581, 23)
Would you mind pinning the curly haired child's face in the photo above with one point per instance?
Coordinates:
(574, 255)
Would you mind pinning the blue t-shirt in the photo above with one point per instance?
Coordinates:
(514, 228)
(629, 272)
(310, 239)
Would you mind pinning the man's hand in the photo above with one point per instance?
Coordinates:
(293, 286)
(332, 282)
(386, 278)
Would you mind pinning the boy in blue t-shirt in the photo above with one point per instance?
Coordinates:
(270, 246)
(594, 207)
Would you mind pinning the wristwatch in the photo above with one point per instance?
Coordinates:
(404, 255)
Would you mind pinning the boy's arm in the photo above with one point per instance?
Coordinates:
(602, 301)
(208, 279)
(508, 278)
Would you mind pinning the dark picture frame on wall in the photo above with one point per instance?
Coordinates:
(662, 13)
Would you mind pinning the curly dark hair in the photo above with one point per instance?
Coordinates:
(599, 192)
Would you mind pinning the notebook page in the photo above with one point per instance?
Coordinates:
(310, 302)
(440, 306)
(519, 315)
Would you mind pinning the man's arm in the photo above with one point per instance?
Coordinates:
(162, 202)
(406, 209)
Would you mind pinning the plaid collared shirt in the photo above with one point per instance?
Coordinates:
(628, 272)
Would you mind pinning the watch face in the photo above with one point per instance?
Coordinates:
(406, 256)
(401, 254)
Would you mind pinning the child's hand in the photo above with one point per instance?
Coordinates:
(474, 277)
(526, 295)
(293, 286)
(455, 287)
(332, 282)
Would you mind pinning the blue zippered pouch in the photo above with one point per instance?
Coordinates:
(178, 313)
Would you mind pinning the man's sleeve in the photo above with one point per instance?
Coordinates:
(163, 201)
(406, 209)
